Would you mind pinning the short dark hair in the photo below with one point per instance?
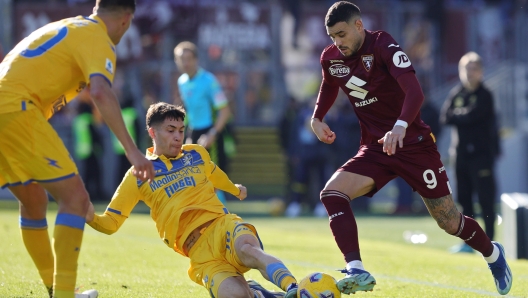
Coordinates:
(186, 46)
(113, 5)
(158, 112)
(341, 11)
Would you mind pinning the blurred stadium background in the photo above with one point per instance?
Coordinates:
(266, 55)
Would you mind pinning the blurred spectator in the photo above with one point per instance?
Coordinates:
(475, 140)
(130, 117)
(418, 41)
(286, 134)
(311, 164)
(206, 106)
(346, 126)
(88, 148)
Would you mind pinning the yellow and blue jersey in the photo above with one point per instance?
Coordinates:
(47, 69)
(181, 197)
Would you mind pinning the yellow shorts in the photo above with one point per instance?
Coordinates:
(213, 257)
(31, 150)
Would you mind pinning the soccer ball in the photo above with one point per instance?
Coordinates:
(318, 285)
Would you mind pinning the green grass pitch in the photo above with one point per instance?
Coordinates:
(135, 263)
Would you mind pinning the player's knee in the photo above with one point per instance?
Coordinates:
(333, 198)
(248, 252)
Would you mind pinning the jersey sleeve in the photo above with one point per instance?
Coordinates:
(96, 57)
(327, 93)
(124, 200)
(218, 177)
(218, 98)
(393, 56)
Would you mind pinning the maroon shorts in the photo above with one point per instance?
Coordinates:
(418, 164)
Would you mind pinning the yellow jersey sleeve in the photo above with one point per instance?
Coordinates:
(123, 202)
(218, 177)
(59, 58)
(96, 56)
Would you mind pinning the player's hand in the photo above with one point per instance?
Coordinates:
(90, 214)
(392, 139)
(322, 131)
(206, 140)
(143, 168)
(243, 191)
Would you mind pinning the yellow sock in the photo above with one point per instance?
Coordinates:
(67, 239)
(286, 281)
(37, 242)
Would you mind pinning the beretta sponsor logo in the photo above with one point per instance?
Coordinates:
(339, 70)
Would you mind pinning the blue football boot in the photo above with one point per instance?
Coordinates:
(501, 271)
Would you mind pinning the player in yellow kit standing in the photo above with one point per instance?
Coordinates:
(189, 216)
(38, 77)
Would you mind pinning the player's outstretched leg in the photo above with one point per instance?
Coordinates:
(260, 292)
(356, 280)
(249, 253)
(499, 268)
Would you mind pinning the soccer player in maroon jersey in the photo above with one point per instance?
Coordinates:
(381, 84)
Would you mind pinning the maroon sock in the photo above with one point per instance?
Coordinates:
(342, 223)
(470, 231)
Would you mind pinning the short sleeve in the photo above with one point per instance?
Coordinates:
(126, 196)
(393, 56)
(96, 57)
(217, 94)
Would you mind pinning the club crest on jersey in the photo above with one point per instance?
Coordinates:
(187, 159)
(368, 61)
(339, 70)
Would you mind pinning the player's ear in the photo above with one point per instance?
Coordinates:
(151, 132)
(359, 24)
(126, 19)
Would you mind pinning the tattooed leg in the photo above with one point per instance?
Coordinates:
(444, 211)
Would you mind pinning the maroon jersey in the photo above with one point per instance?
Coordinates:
(369, 78)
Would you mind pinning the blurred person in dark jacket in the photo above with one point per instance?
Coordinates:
(346, 124)
(286, 130)
(311, 162)
(469, 108)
